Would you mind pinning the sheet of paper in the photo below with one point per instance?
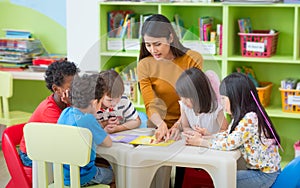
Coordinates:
(150, 140)
(123, 138)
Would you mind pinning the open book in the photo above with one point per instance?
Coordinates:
(150, 140)
(138, 140)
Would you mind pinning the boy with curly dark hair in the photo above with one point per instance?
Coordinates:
(58, 77)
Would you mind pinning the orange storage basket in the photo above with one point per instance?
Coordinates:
(290, 100)
(258, 44)
(264, 93)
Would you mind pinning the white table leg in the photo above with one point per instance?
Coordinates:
(137, 177)
(225, 175)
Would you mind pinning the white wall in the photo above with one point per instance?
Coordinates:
(83, 33)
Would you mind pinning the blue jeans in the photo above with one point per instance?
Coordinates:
(25, 159)
(103, 176)
(255, 178)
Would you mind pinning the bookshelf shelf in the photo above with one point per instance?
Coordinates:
(121, 54)
(273, 59)
(283, 17)
(277, 112)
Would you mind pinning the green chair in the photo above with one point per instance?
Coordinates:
(58, 144)
(7, 117)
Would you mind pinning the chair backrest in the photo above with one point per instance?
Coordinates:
(58, 144)
(290, 175)
(6, 91)
(21, 176)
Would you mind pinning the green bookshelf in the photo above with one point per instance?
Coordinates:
(286, 63)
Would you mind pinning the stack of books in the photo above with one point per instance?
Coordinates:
(18, 47)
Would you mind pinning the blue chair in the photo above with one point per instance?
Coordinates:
(144, 119)
(290, 175)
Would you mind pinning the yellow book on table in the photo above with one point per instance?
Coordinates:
(150, 140)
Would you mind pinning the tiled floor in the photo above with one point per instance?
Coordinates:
(4, 174)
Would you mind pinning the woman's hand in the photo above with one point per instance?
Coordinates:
(174, 133)
(162, 132)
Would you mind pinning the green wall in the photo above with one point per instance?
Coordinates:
(52, 34)
(29, 93)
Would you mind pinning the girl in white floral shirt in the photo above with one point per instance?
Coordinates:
(251, 131)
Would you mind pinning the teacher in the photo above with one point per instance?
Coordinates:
(162, 59)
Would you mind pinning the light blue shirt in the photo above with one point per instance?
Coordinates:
(73, 116)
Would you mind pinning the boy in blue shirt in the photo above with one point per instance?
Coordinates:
(86, 96)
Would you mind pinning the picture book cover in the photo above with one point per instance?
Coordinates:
(202, 21)
(150, 141)
(116, 20)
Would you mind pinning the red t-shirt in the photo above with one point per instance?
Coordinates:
(46, 112)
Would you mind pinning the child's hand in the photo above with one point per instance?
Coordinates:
(202, 131)
(192, 138)
(113, 120)
(111, 128)
(65, 97)
(103, 123)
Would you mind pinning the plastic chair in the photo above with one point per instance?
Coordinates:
(194, 178)
(21, 176)
(290, 176)
(144, 119)
(58, 144)
(7, 117)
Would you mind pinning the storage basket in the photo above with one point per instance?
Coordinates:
(290, 100)
(264, 93)
(258, 44)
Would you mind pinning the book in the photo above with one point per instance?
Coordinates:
(219, 33)
(206, 31)
(115, 18)
(125, 25)
(17, 34)
(202, 21)
(143, 18)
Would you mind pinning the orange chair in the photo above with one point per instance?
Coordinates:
(21, 176)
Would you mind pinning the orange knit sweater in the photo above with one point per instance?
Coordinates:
(157, 81)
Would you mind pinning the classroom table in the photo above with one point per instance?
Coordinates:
(116, 155)
(28, 75)
(135, 167)
(143, 161)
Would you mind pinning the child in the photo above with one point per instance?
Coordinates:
(86, 96)
(117, 113)
(200, 110)
(251, 131)
(58, 77)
